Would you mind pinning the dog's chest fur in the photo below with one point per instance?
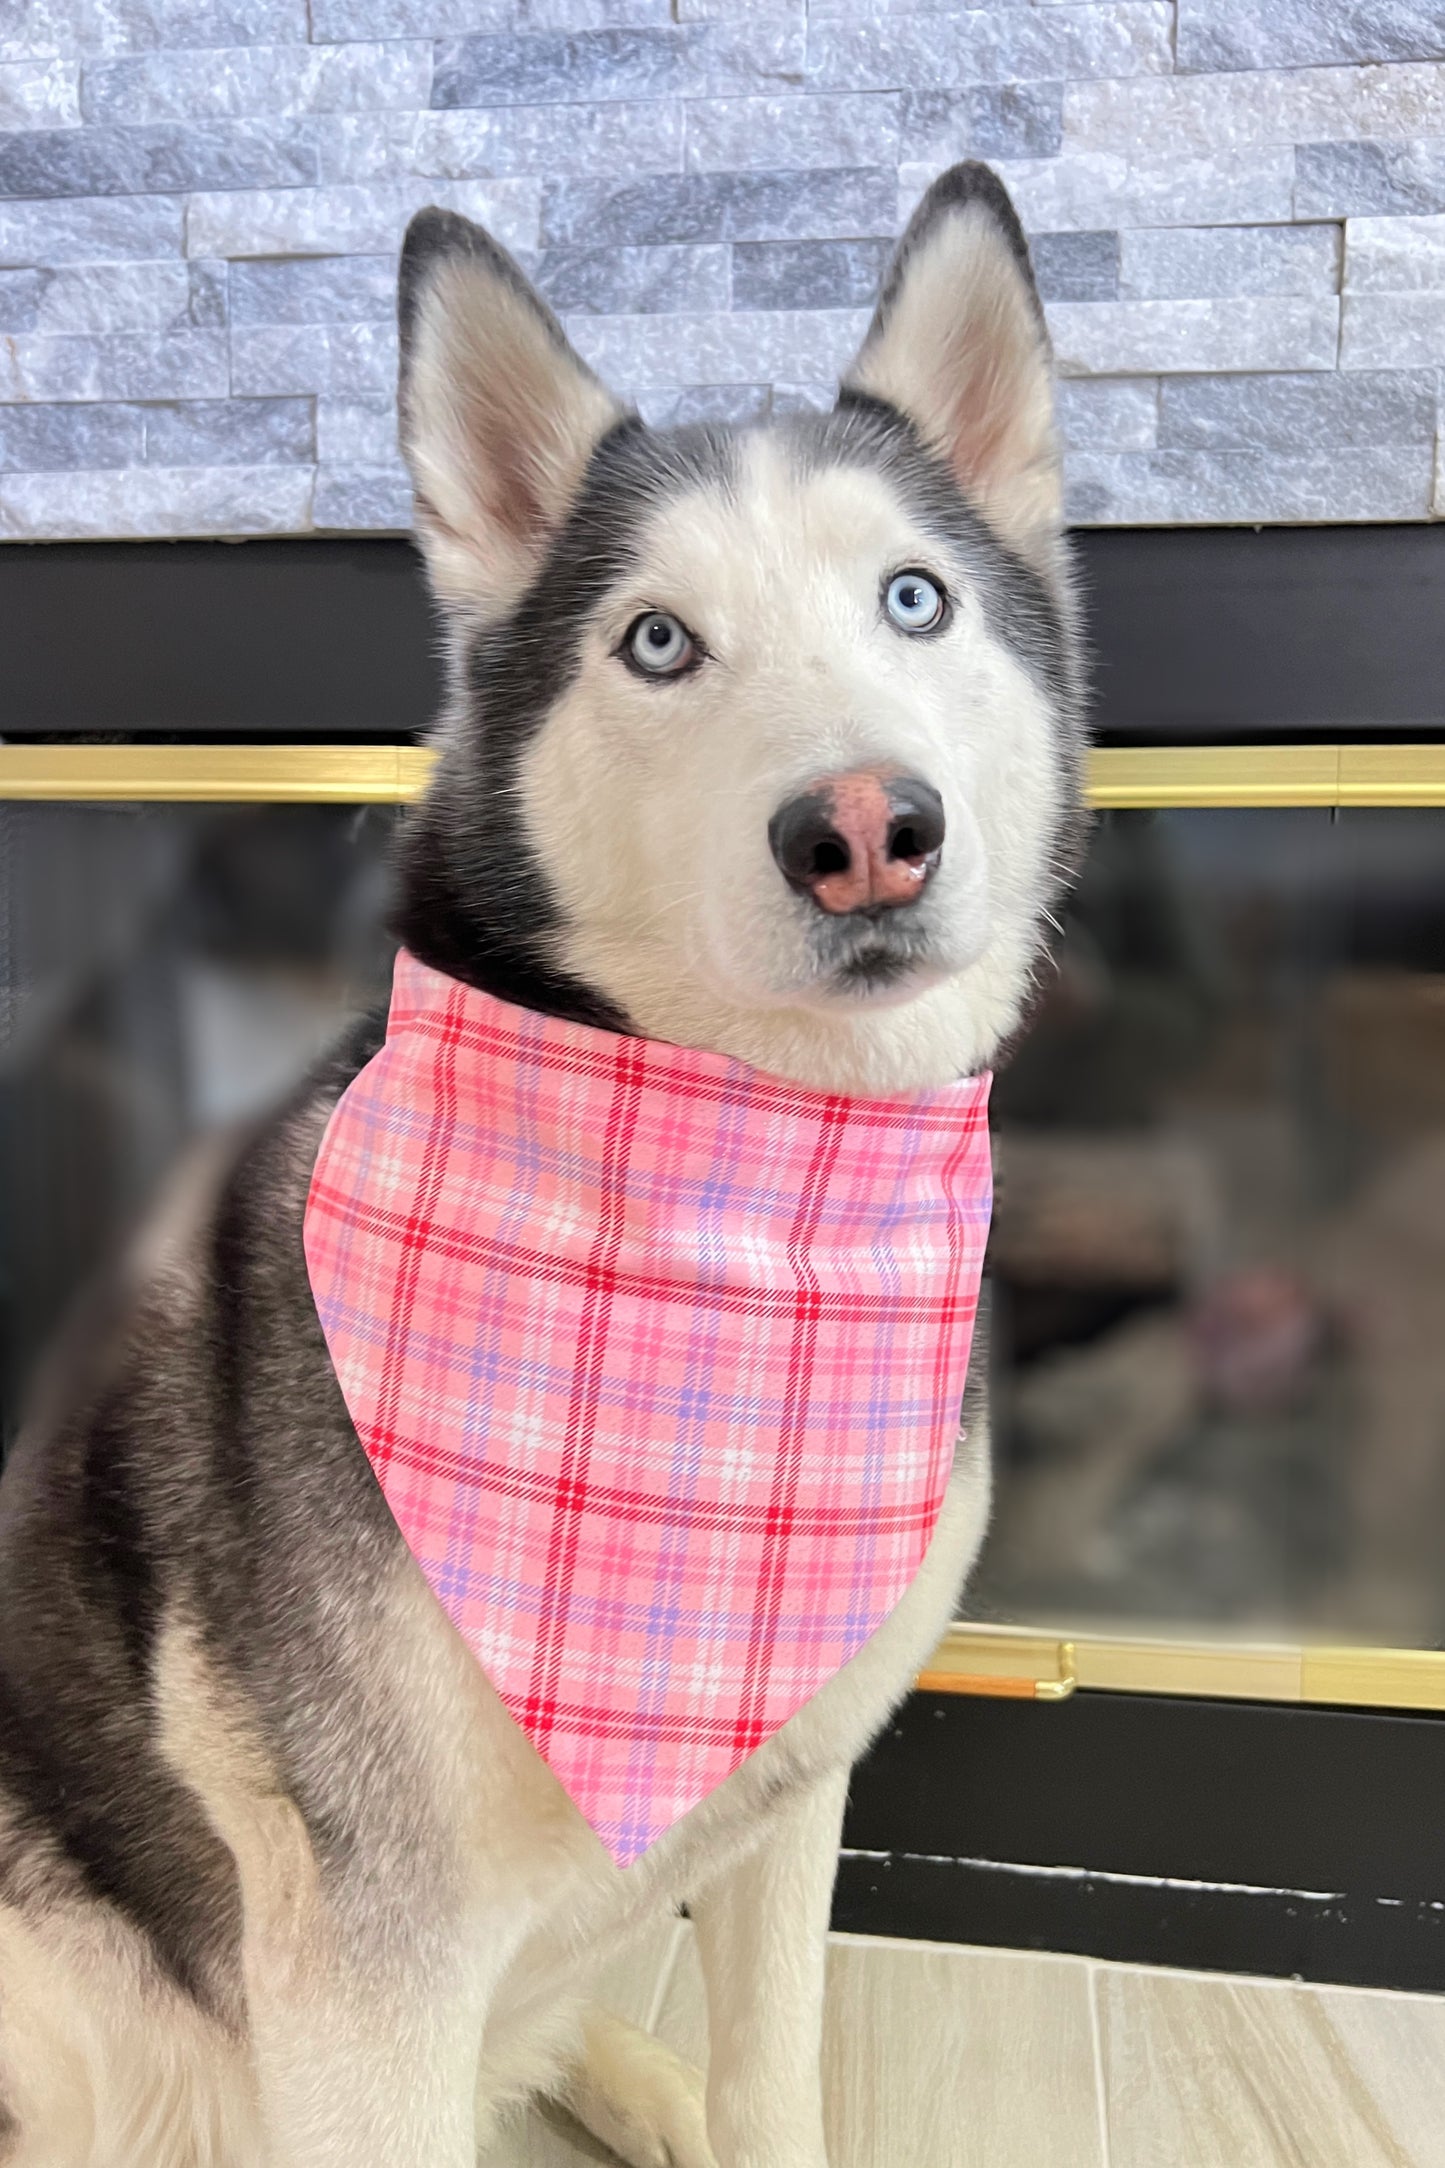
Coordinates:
(237, 1656)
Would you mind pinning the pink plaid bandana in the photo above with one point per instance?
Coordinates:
(658, 1361)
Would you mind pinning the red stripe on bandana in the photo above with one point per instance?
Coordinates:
(536, 1712)
(751, 1725)
(658, 1361)
(415, 1230)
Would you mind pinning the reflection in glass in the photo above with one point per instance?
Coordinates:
(1219, 1256)
(164, 971)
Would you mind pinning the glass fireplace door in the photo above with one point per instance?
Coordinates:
(1218, 1264)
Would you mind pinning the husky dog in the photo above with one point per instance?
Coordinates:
(761, 741)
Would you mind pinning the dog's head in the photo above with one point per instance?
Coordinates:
(763, 739)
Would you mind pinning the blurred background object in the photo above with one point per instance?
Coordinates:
(1219, 1255)
(165, 972)
(1220, 1269)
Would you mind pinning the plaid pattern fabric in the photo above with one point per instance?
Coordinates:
(658, 1361)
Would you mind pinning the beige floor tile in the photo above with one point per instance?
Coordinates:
(1204, 2073)
(941, 2057)
(1396, 2043)
(545, 2138)
(952, 2058)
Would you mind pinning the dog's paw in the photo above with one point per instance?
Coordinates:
(638, 2097)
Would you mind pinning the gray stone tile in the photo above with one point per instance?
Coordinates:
(32, 29)
(128, 365)
(1185, 264)
(231, 433)
(687, 59)
(808, 274)
(1393, 331)
(747, 347)
(1107, 413)
(343, 19)
(340, 20)
(39, 439)
(35, 30)
(158, 160)
(597, 14)
(103, 297)
(350, 220)
(210, 292)
(1352, 180)
(701, 11)
(161, 25)
(351, 499)
(271, 81)
(40, 94)
(1076, 266)
(1165, 489)
(1142, 338)
(713, 162)
(748, 56)
(1203, 114)
(20, 293)
(1297, 413)
(994, 120)
(291, 360)
(991, 45)
(104, 228)
(730, 134)
(356, 432)
(155, 501)
(1240, 34)
(520, 139)
(1394, 255)
(315, 290)
(931, 9)
(632, 281)
(1015, 120)
(737, 404)
(1100, 190)
(722, 207)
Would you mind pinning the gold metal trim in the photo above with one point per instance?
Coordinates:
(1119, 776)
(1025, 1663)
(215, 774)
(1215, 775)
(973, 1666)
(1375, 1678)
(1392, 774)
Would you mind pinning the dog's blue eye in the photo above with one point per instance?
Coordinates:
(913, 602)
(660, 645)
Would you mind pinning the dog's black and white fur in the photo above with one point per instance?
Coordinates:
(281, 1886)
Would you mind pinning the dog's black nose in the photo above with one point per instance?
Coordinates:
(860, 841)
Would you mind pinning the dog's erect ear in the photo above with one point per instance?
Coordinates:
(958, 344)
(499, 416)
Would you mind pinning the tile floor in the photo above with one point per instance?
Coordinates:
(1053, 2062)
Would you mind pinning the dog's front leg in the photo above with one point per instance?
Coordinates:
(349, 2073)
(365, 2016)
(762, 1932)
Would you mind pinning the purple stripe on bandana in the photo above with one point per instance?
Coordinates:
(658, 1361)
